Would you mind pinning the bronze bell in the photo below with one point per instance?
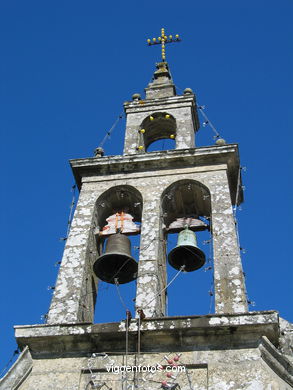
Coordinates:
(186, 252)
(116, 262)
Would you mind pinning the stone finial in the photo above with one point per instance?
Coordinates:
(162, 84)
(162, 70)
(136, 96)
(188, 91)
(99, 152)
(220, 142)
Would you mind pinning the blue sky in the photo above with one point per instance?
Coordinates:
(66, 69)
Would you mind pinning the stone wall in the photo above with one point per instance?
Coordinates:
(215, 352)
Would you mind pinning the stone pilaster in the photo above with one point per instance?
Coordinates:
(152, 264)
(74, 294)
(230, 292)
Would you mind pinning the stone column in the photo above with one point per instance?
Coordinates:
(230, 291)
(152, 260)
(185, 127)
(74, 294)
(131, 133)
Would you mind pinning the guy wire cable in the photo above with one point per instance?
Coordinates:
(171, 281)
(16, 352)
(109, 132)
(208, 122)
(138, 344)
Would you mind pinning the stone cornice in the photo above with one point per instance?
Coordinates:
(156, 161)
(145, 105)
(183, 333)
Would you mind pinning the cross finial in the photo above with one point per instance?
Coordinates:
(162, 40)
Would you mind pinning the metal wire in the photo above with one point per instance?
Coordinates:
(16, 352)
(237, 191)
(71, 210)
(171, 281)
(208, 121)
(138, 344)
(108, 133)
(212, 289)
(126, 347)
(119, 295)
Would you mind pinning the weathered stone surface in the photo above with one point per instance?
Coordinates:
(286, 338)
(18, 372)
(162, 84)
(217, 351)
(231, 350)
(182, 108)
(198, 159)
(211, 331)
(99, 175)
(73, 299)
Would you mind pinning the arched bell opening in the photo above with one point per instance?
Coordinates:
(158, 126)
(186, 212)
(117, 233)
(162, 144)
(117, 199)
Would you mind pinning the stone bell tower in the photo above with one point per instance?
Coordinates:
(182, 190)
(161, 191)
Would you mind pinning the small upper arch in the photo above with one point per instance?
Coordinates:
(159, 125)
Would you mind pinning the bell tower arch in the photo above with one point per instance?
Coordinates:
(162, 114)
(159, 125)
(118, 212)
(185, 189)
